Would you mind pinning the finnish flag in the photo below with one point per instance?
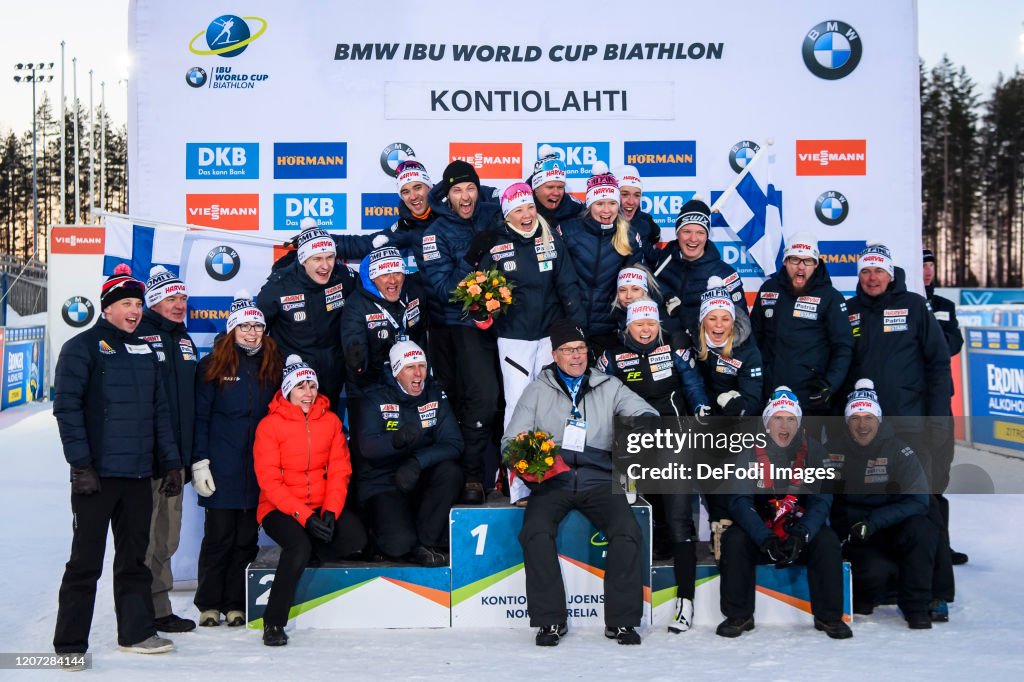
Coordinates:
(751, 212)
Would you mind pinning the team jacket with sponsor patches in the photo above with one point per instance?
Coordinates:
(742, 372)
(304, 318)
(597, 265)
(386, 408)
(880, 469)
(178, 359)
(664, 376)
(803, 339)
(688, 280)
(110, 405)
(445, 243)
(546, 284)
(900, 346)
(376, 324)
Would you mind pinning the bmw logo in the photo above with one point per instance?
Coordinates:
(196, 77)
(394, 154)
(223, 263)
(77, 311)
(741, 154)
(831, 208)
(832, 50)
(227, 36)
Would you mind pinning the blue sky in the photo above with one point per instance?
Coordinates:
(983, 35)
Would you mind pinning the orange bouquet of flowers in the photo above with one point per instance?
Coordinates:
(484, 296)
(534, 456)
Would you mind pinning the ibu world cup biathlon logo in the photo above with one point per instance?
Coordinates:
(227, 36)
(832, 50)
(831, 207)
(223, 263)
(77, 311)
(394, 154)
(741, 154)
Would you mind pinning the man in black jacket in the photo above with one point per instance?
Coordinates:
(163, 328)
(113, 417)
(799, 321)
(409, 475)
(900, 346)
(303, 302)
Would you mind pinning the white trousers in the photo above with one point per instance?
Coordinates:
(521, 363)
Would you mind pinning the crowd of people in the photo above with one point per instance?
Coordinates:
(346, 411)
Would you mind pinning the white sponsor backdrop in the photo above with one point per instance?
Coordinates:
(701, 78)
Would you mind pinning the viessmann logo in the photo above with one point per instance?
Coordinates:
(77, 240)
(831, 157)
(226, 211)
(490, 159)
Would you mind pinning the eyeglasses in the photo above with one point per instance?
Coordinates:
(572, 350)
(252, 327)
(806, 262)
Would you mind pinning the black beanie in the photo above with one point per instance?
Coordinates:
(928, 256)
(565, 331)
(694, 212)
(459, 171)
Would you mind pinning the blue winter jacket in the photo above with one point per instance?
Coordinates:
(688, 280)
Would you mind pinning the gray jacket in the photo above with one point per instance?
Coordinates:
(545, 405)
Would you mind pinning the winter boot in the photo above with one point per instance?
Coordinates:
(273, 635)
(624, 635)
(473, 493)
(683, 620)
(958, 558)
(919, 620)
(939, 611)
(836, 629)
(209, 618)
(173, 623)
(152, 645)
(548, 635)
(424, 556)
(235, 619)
(734, 627)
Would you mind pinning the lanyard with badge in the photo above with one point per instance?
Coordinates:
(574, 437)
(400, 328)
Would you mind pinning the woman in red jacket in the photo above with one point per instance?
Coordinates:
(303, 468)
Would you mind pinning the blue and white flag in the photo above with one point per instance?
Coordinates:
(751, 212)
(141, 247)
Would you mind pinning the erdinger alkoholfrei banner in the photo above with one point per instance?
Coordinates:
(252, 116)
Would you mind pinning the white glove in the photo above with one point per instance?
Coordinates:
(202, 479)
(380, 240)
(702, 414)
(671, 304)
(724, 398)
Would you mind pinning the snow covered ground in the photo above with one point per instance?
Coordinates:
(983, 639)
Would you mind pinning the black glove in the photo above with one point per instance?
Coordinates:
(407, 475)
(480, 244)
(84, 480)
(820, 397)
(731, 404)
(318, 529)
(328, 519)
(355, 357)
(171, 485)
(406, 436)
(861, 531)
(773, 548)
(792, 546)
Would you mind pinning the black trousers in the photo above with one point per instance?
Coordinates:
(398, 522)
(230, 543)
(297, 546)
(477, 391)
(441, 351)
(612, 515)
(909, 546)
(943, 581)
(682, 533)
(124, 504)
(823, 557)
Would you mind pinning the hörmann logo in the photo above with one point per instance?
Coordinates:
(327, 209)
(840, 257)
(490, 159)
(831, 157)
(379, 210)
(77, 240)
(579, 157)
(310, 160)
(226, 211)
(207, 314)
(222, 161)
(668, 158)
